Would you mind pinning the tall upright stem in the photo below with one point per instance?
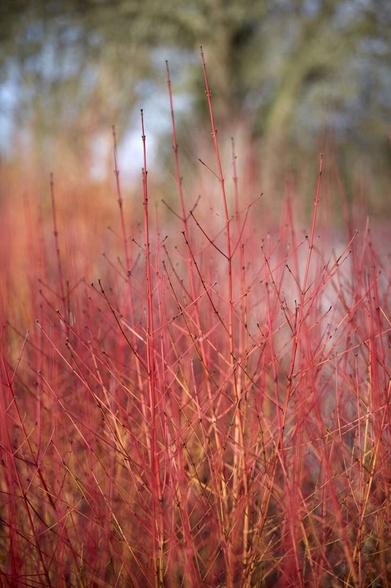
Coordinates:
(239, 471)
(157, 531)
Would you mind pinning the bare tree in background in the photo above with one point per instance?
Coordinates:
(288, 67)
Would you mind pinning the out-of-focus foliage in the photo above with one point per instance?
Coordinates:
(289, 68)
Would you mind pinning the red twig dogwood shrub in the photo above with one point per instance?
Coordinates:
(207, 405)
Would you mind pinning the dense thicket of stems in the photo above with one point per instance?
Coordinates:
(211, 409)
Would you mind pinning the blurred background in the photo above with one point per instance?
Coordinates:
(290, 78)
